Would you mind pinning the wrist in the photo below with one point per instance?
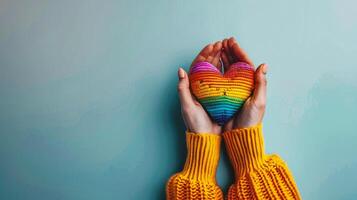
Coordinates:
(249, 116)
(246, 124)
(206, 129)
(248, 119)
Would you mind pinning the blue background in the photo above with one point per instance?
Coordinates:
(88, 103)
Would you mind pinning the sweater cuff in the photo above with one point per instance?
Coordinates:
(245, 147)
(203, 152)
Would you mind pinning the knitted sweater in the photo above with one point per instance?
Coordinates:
(257, 175)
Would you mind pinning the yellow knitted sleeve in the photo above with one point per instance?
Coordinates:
(258, 175)
(197, 180)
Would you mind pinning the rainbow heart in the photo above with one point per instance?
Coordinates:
(222, 95)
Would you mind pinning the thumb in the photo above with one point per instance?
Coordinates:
(259, 94)
(183, 88)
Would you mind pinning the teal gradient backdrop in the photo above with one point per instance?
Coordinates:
(88, 99)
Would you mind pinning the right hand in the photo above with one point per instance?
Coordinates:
(194, 115)
(253, 110)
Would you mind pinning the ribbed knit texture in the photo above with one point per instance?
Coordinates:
(197, 180)
(221, 95)
(258, 176)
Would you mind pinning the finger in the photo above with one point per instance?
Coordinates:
(225, 61)
(220, 64)
(260, 88)
(217, 61)
(183, 88)
(238, 52)
(216, 48)
(227, 50)
(203, 54)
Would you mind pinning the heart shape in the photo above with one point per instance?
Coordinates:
(221, 95)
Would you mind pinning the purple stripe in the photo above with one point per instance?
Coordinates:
(203, 66)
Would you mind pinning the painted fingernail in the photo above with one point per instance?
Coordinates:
(181, 73)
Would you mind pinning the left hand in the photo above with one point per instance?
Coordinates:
(194, 115)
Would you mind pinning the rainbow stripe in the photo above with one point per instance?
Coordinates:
(222, 95)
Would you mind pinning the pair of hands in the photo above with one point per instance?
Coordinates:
(196, 118)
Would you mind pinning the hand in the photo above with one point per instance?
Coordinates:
(253, 109)
(194, 115)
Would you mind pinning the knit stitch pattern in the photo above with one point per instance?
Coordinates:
(198, 178)
(258, 175)
(221, 95)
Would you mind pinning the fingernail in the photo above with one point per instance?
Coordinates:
(265, 69)
(181, 73)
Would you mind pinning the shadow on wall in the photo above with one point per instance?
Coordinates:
(176, 132)
(328, 132)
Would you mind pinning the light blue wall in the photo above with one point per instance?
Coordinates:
(88, 103)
